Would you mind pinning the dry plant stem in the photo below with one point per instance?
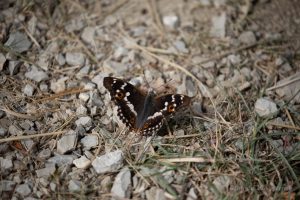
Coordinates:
(19, 115)
(155, 15)
(284, 84)
(188, 159)
(285, 126)
(289, 116)
(31, 37)
(63, 93)
(24, 137)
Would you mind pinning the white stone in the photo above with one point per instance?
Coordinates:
(36, 75)
(23, 189)
(60, 59)
(155, 193)
(82, 162)
(89, 142)
(81, 110)
(61, 160)
(180, 46)
(59, 85)
(222, 183)
(84, 96)
(88, 34)
(247, 37)
(2, 61)
(171, 21)
(218, 28)
(265, 108)
(122, 184)
(84, 121)
(75, 59)
(74, 185)
(6, 185)
(5, 163)
(192, 194)
(109, 162)
(28, 90)
(18, 42)
(45, 172)
(67, 142)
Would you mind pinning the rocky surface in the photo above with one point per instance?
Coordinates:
(60, 137)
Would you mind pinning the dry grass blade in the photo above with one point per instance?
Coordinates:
(187, 159)
(24, 137)
(19, 115)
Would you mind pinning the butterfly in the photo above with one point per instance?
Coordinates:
(142, 112)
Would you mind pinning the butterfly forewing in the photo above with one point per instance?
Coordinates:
(140, 112)
(128, 99)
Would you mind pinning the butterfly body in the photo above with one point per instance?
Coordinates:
(139, 111)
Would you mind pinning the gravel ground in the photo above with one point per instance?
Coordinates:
(238, 138)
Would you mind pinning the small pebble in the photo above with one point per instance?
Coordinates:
(265, 108)
(23, 189)
(74, 186)
(122, 184)
(18, 42)
(60, 59)
(218, 28)
(86, 122)
(67, 142)
(82, 162)
(36, 75)
(28, 90)
(46, 172)
(88, 34)
(61, 160)
(89, 142)
(5, 163)
(247, 37)
(75, 59)
(171, 21)
(59, 85)
(109, 162)
(2, 61)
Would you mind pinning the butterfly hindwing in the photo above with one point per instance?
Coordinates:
(140, 112)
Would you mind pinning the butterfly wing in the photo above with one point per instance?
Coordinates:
(127, 98)
(165, 106)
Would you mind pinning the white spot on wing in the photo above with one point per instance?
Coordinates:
(155, 115)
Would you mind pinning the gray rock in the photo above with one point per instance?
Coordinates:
(52, 186)
(23, 189)
(67, 142)
(218, 28)
(89, 142)
(88, 34)
(86, 122)
(75, 185)
(82, 162)
(138, 31)
(18, 42)
(28, 90)
(61, 160)
(109, 162)
(75, 24)
(5, 163)
(117, 67)
(99, 81)
(36, 75)
(265, 108)
(13, 130)
(44, 87)
(180, 46)
(171, 21)
(122, 184)
(3, 132)
(60, 59)
(44, 154)
(83, 72)
(290, 88)
(155, 193)
(44, 60)
(14, 66)
(81, 110)
(247, 37)
(59, 85)
(46, 172)
(2, 61)
(192, 194)
(75, 59)
(84, 96)
(6, 185)
(120, 52)
(234, 59)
